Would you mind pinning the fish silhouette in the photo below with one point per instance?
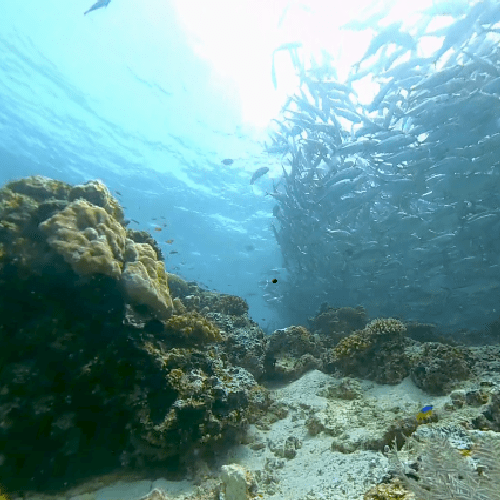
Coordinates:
(98, 5)
(258, 173)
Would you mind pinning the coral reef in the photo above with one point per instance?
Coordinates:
(45, 224)
(192, 327)
(291, 352)
(87, 238)
(231, 305)
(376, 353)
(335, 323)
(95, 371)
(439, 366)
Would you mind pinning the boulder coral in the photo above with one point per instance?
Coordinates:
(145, 280)
(439, 366)
(192, 327)
(290, 353)
(88, 239)
(376, 352)
(46, 223)
(95, 371)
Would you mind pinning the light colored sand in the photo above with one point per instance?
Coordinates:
(315, 472)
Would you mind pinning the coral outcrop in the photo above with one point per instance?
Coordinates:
(333, 323)
(291, 352)
(96, 372)
(88, 239)
(376, 353)
(440, 366)
(46, 223)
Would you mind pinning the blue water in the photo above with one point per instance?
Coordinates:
(126, 94)
(113, 97)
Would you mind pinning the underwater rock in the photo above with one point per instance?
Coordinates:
(291, 352)
(334, 323)
(490, 418)
(439, 366)
(91, 380)
(375, 353)
(145, 280)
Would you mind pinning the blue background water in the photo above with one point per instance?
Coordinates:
(121, 95)
(150, 96)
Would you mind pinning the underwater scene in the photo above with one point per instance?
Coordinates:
(249, 250)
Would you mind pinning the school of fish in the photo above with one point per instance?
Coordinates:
(395, 204)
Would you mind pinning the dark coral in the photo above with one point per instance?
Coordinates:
(224, 304)
(375, 353)
(145, 237)
(440, 366)
(335, 323)
(89, 381)
(179, 287)
(490, 418)
(192, 328)
(291, 352)
(245, 346)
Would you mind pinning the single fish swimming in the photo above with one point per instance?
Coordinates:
(424, 414)
(98, 5)
(258, 173)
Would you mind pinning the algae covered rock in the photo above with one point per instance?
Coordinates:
(192, 327)
(45, 224)
(440, 366)
(376, 353)
(291, 352)
(95, 371)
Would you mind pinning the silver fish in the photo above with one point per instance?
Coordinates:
(259, 173)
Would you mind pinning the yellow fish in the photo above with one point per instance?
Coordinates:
(424, 414)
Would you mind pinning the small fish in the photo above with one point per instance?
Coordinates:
(227, 161)
(118, 193)
(424, 414)
(173, 252)
(274, 280)
(98, 5)
(169, 241)
(136, 221)
(258, 173)
(154, 218)
(157, 228)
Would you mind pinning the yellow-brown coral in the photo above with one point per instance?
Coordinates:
(352, 344)
(385, 326)
(193, 327)
(392, 491)
(87, 237)
(145, 280)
